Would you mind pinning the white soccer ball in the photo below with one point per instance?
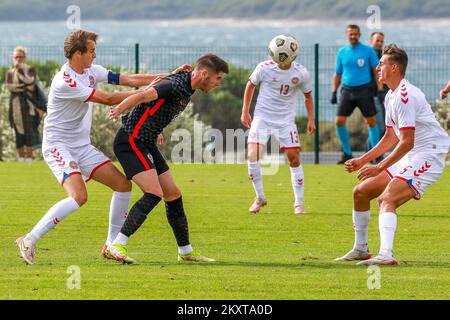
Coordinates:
(283, 49)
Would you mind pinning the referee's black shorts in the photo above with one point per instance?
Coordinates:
(136, 156)
(361, 97)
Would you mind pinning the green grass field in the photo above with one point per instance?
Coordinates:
(271, 255)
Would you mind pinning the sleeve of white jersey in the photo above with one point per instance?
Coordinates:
(70, 89)
(256, 75)
(305, 84)
(406, 114)
(101, 73)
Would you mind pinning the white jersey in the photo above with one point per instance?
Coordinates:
(279, 91)
(69, 114)
(407, 108)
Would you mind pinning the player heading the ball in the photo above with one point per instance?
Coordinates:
(281, 80)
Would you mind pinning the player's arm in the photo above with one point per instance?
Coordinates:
(384, 145)
(405, 145)
(309, 103)
(138, 80)
(110, 98)
(246, 118)
(335, 86)
(147, 95)
(337, 77)
(444, 92)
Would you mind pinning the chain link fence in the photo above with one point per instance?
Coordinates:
(428, 69)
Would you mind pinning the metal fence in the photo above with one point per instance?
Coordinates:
(429, 69)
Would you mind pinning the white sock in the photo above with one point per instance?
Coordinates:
(21, 159)
(298, 181)
(54, 215)
(387, 223)
(254, 174)
(121, 239)
(361, 224)
(185, 249)
(28, 160)
(117, 214)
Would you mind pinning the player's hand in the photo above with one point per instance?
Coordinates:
(353, 164)
(368, 172)
(311, 127)
(114, 113)
(443, 94)
(184, 67)
(160, 139)
(246, 119)
(334, 97)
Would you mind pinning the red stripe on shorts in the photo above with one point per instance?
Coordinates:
(147, 113)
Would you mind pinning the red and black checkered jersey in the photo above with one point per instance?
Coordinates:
(147, 120)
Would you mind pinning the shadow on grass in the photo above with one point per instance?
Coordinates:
(293, 265)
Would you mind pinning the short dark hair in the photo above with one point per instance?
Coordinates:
(77, 41)
(396, 56)
(212, 62)
(353, 26)
(376, 32)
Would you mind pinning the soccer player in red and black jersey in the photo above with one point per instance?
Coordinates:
(136, 150)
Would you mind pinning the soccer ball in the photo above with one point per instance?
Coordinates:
(283, 49)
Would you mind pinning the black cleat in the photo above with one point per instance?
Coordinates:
(345, 157)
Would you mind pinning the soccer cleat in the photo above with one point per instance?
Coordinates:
(355, 254)
(120, 253)
(26, 252)
(105, 252)
(194, 256)
(299, 209)
(379, 260)
(257, 205)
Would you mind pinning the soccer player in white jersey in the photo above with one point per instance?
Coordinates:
(416, 162)
(280, 86)
(66, 144)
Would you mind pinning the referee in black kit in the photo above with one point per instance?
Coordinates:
(136, 150)
(355, 64)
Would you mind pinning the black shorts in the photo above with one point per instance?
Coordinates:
(361, 97)
(136, 156)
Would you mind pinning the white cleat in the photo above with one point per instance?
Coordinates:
(355, 255)
(27, 252)
(379, 261)
(299, 209)
(257, 205)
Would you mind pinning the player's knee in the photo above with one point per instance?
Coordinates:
(371, 121)
(340, 122)
(294, 161)
(123, 185)
(384, 201)
(253, 155)
(358, 193)
(80, 197)
(172, 194)
(154, 189)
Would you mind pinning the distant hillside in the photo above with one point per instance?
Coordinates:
(252, 9)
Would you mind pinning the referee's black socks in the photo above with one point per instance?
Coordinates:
(178, 221)
(139, 212)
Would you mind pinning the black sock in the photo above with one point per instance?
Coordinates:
(178, 221)
(138, 213)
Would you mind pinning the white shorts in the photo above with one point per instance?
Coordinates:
(287, 134)
(419, 170)
(64, 161)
